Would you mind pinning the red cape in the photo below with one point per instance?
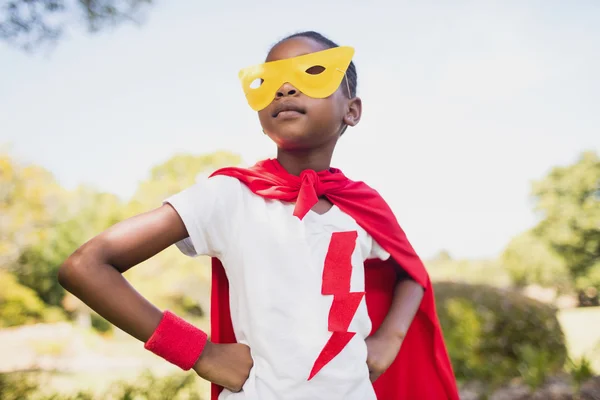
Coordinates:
(422, 370)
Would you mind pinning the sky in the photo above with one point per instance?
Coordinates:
(465, 102)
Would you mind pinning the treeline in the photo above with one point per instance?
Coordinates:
(42, 223)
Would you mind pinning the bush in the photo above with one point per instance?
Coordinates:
(16, 387)
(149, 387)
(494, 334)
(20, 305)
(101, 325)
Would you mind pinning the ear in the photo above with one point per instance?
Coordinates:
(354, 112)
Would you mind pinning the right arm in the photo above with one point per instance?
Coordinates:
(94, 274)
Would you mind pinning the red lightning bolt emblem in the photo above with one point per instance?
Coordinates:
(337, 274)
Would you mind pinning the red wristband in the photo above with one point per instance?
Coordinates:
(177, 341)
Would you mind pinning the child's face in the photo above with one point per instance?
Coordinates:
(295, 121)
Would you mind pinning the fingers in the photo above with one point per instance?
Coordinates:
(235, 388)
(230, 367)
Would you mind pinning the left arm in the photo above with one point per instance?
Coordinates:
(405, 303)
(384, 345)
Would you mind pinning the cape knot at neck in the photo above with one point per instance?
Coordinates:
(310, 178)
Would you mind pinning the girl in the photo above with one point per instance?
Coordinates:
(315, 285)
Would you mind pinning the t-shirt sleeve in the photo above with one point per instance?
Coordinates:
(377, 251)
(207, 209)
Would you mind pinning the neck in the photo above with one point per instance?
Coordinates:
(297, 161)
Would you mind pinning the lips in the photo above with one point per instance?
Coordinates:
(284, 107)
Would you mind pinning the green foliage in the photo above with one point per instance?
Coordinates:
(18, 386)
(20, 305)
(569, 202)
(43, 224)
(83, 214)
(464, 332)
(29, 202)
(533, 367)
(38, 266)
(184, 304)
(175, 175)
(494, 334)
(530, 260)
(148, 387)
(581, 370)
(100, 324)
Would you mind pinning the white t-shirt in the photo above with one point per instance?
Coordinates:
(274, 262)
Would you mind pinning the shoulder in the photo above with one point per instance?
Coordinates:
(217, 184)
(207, 194)
(220, 180)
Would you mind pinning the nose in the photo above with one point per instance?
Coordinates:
(286, 90)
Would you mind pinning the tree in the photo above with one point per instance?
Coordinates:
(530, 260)
(84, 213)
(176, 174)
(30, 23)
(21, 305)
(568, 199)
(29, 202)
(42, 224)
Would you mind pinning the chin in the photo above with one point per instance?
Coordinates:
(292, 139)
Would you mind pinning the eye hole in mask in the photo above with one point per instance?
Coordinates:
(256, 83)
(315, 70)
(317, 75)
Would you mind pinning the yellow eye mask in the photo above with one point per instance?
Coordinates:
(317, 75)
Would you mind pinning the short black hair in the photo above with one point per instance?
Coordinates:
(328, 43)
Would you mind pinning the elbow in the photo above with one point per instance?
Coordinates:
(77, 267)
(70, 270)
(411, 286)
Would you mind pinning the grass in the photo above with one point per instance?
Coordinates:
(48, 347)
(127, 385)
(100, 382)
